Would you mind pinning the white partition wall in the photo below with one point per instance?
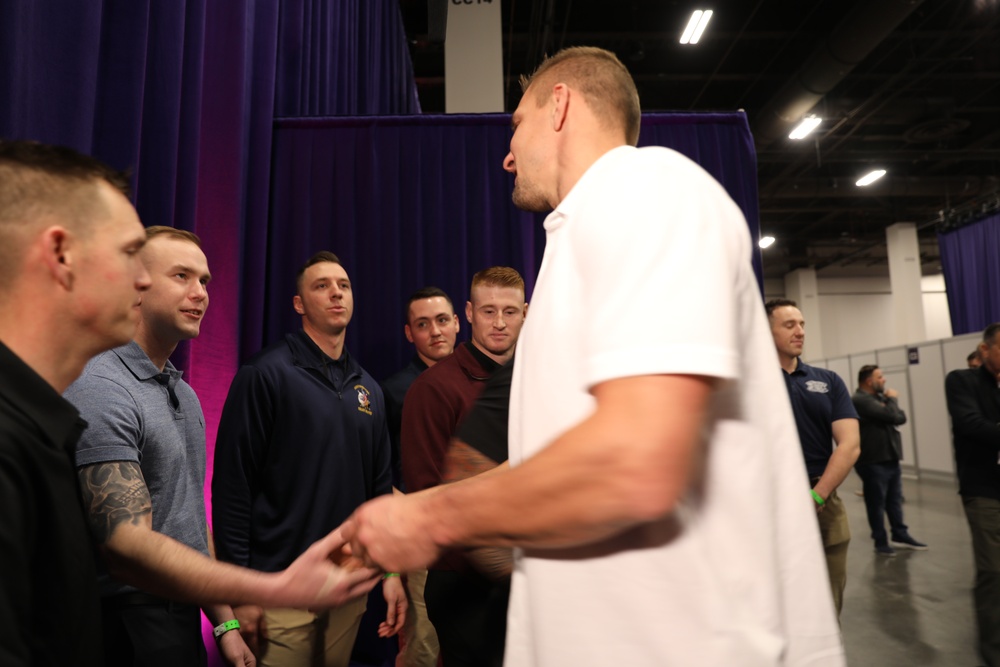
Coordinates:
(917, 372)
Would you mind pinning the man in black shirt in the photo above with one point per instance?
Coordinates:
(974, 405)
(70, 281)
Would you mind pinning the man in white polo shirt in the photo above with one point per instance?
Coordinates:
(655, 492)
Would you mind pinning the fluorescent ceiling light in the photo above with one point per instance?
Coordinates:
(696, 26)
(766, 242)
(805, 128)
(870, 178)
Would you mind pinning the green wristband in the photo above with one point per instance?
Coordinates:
(223, 628)
(818, 498)
(390, 574)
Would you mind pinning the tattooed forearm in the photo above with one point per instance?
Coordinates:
(462, 461)
(113, 494)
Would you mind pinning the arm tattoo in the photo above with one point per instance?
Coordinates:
(114, 493)
(462, 462)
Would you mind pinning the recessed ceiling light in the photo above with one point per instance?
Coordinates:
(805, 128)
(766, 242)
(870, 177)
(696, 26)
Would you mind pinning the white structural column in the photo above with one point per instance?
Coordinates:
(801, 287)
(905, 279)
(473, 57)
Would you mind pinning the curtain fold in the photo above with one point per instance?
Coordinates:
(409, 201)
(972, 274)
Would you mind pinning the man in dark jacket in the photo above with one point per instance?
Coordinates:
(878, 465)
(302, 442)
(974, 404)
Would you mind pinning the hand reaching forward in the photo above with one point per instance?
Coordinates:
(388, 532)
(322, 577)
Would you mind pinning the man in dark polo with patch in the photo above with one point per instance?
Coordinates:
(824, 414)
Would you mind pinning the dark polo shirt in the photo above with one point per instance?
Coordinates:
(819, 398)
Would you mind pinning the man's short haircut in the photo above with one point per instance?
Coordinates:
(40, 183)
(990, 334)
(497, 276)
(321, 256)
(866, 372)
(774, 304)
(428, 292)
(173, 233)
(602, 79)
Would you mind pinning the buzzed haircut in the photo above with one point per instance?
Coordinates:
(990, 334)
(866, 372)
(774, 304)
(321, 256)
(173, 233)
(40, 183)
(602, 79)
(428, 292)
(497, 276)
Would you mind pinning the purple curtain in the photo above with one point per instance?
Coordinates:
(184, 93)
(411, 201)
(972, 274)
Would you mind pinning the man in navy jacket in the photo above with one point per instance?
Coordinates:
(302, 442)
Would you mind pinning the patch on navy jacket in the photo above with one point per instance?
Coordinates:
(364, 399)
(817, 386)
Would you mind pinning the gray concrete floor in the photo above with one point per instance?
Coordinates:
(916, 608)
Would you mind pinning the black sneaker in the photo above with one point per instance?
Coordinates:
(885, 550)
(907, 542)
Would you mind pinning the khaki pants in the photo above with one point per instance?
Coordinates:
(301, 638)
(419, 643)
(836, 533)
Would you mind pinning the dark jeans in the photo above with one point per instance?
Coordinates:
(984, 524)
(469, 613)
(143, 631)
(883, 485)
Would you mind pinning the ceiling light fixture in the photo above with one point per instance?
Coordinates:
(870, 178)
(696, 26)
(765, 242)
(805, 128)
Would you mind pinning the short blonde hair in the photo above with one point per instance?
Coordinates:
(497, 276)
(172, 232)
(602, 79)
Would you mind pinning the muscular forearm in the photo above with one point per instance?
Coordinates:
(162, 566)
(627, 464)
(837, 469)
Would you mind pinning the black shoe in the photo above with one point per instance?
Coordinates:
(907, 542)
(885, 550)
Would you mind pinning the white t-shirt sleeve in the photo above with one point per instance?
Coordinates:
(660, 231)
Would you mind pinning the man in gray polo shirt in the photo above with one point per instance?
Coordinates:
(142, 469)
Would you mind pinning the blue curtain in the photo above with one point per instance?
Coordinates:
(422, 200)
(972, 274)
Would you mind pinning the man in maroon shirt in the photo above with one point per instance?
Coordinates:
(466, 608)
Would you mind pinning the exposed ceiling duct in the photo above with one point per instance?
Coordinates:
(849, 43)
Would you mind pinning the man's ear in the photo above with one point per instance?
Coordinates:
(297, 305)
(468, 311)
(58, 249)
(406, 330)
(560, 105)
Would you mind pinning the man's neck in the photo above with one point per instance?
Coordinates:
(868, 390)
(499, 358)
(331, 344)
(789, 364)
(57, 360)
(157, 350)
